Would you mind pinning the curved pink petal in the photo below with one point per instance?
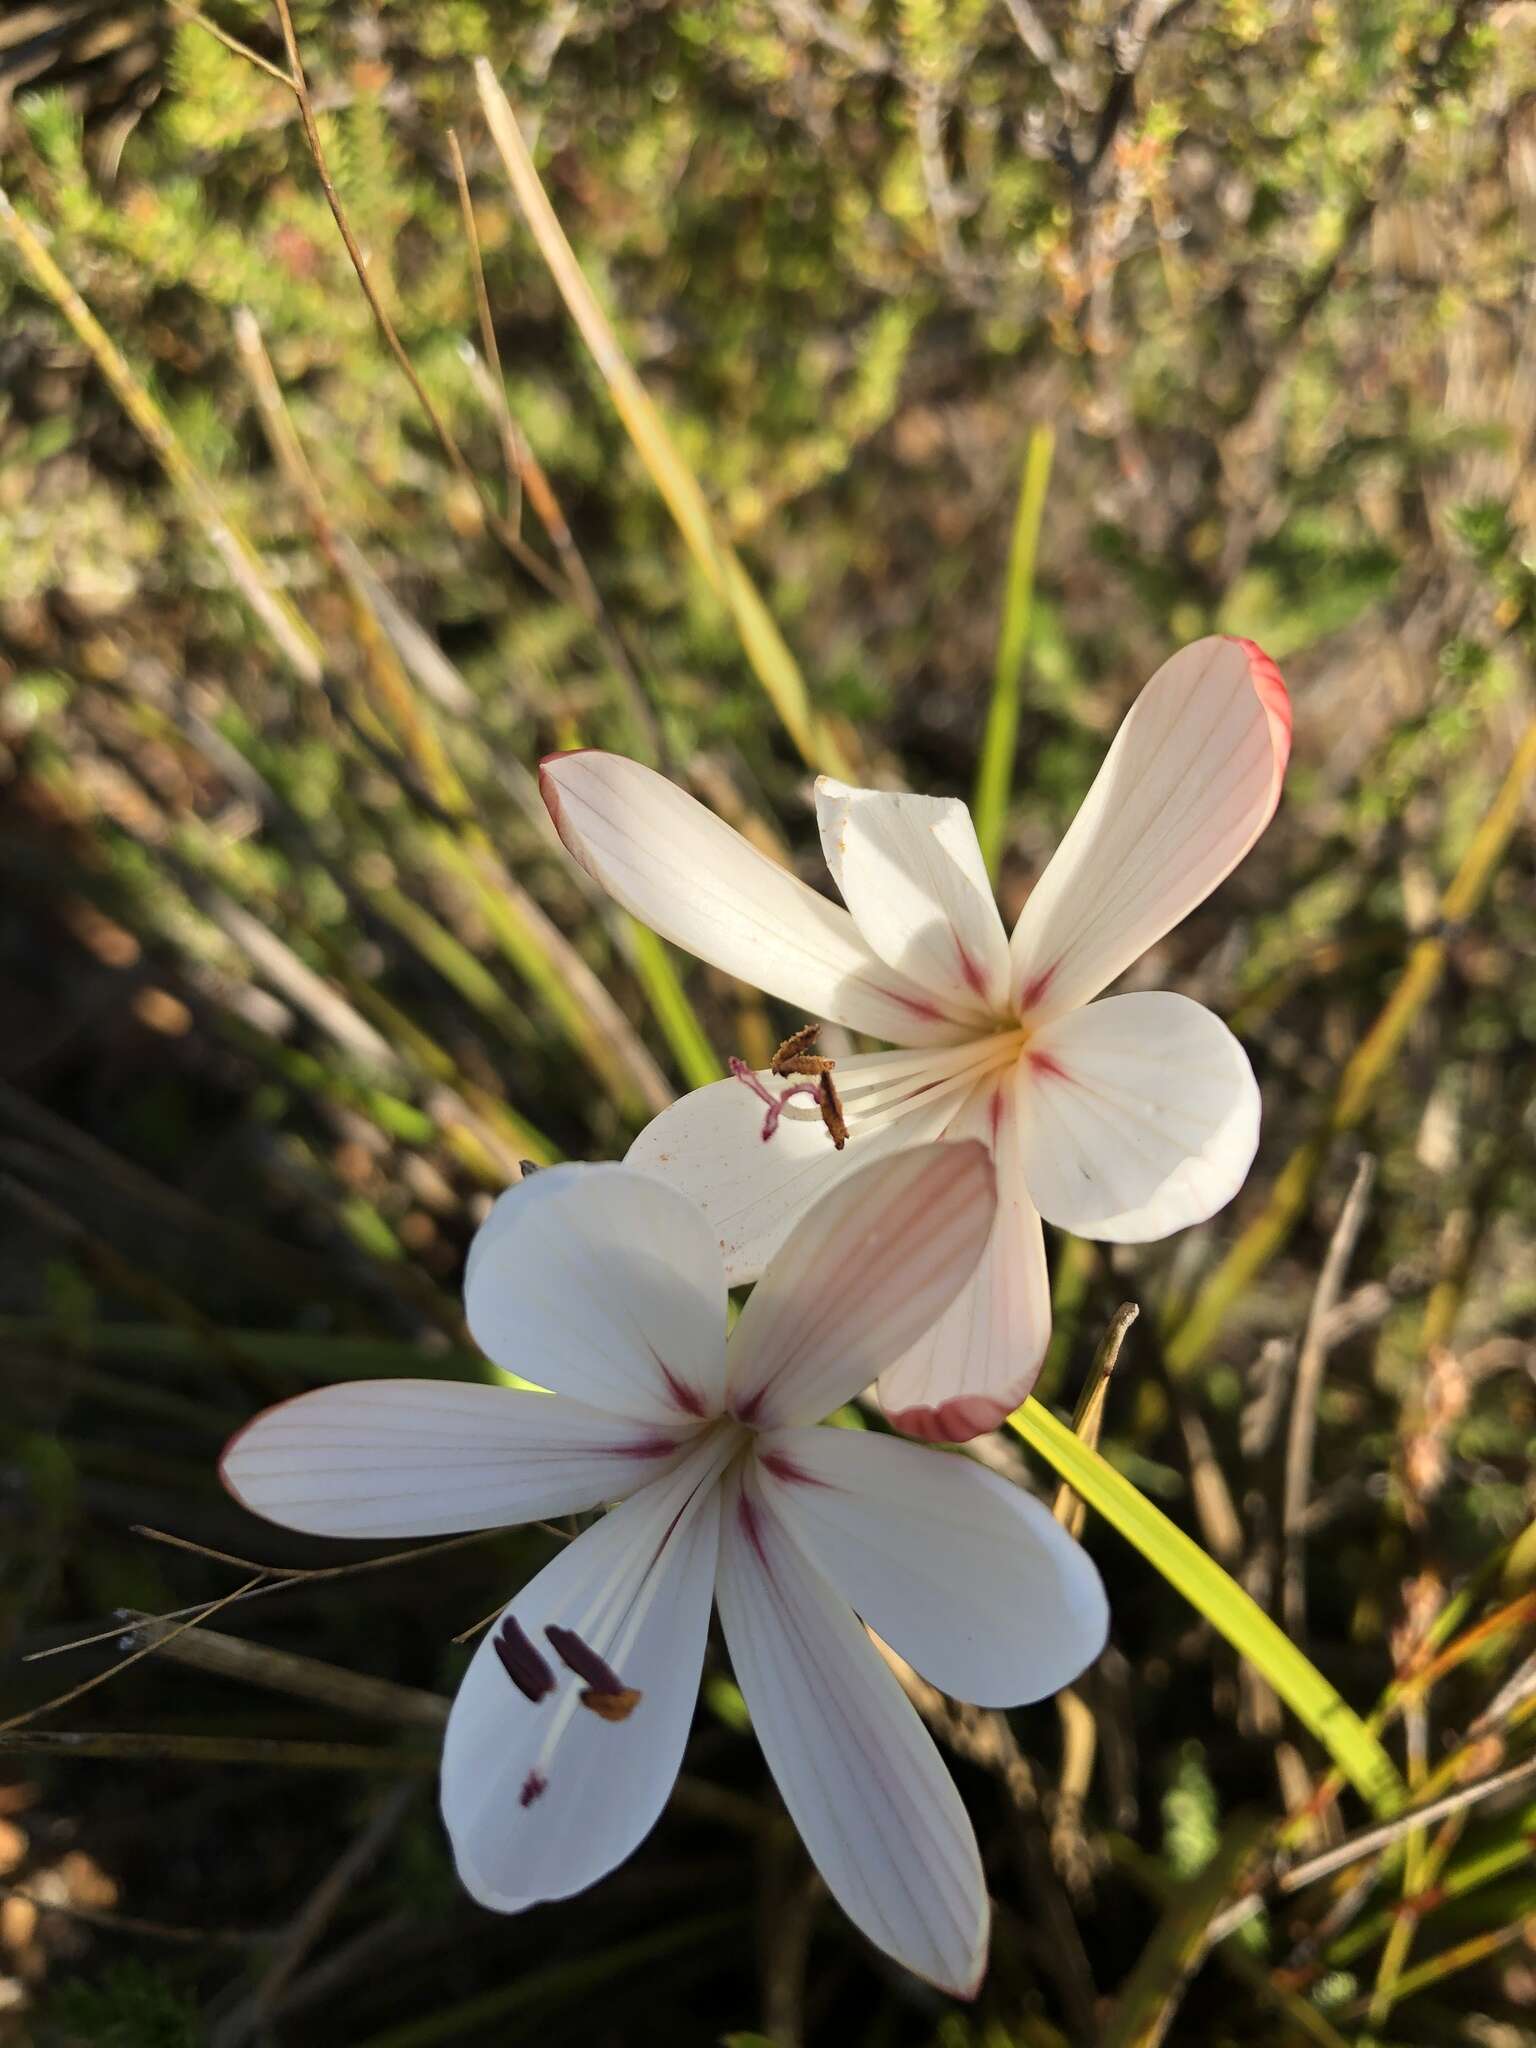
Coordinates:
(1192, 779)
(911, 873)
(861, 1276)
(710, 1146)
(969, 1372)
(599, 1283)
(968, 1577)
(676, 867)
(1139, 1115)
(541, 1797)
(862, 1780)
(429, 1457)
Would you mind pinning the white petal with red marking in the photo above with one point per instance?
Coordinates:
(542, 1798)
(971, 1580)
(861, 1778)
(680, 870)
(382, 1458)
(1139, 1115)
(1190, 782)
(911, 872)
(710, 1147)
(859, 1279)
(970, 1371)
(596, 1282)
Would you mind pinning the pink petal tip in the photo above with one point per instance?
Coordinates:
(955, 1421)
(549, 789)
(1269, 686)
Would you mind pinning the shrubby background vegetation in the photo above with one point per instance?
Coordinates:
(294, 975)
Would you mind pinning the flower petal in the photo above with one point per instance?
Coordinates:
(861, 1276)
(911, 872)
(971, 1580)
(973, 1368)
(542, 1798)
(1139, 1115)
(597, 1282)
(1190, 782)
(858, 1772)
(680, 870)
(430, 1457)
(710, 1146)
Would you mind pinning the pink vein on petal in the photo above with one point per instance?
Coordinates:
(919, 1008)
(1035, 991)
(974, 978)
(682, 1394)
(785, 1468)
(746, 1514)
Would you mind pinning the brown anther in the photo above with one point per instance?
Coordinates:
(788, 1059)
(581, 1658)
(611, 1706)
(831, 1106)
(522, 1663)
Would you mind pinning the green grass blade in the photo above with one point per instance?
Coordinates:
(697, 1061)
(717, 561)
(1203, 1583)
(1142, 2014)
(994, 772)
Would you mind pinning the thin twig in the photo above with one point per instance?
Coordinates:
(511, 465)
(135, 1747)
(526, 477)
(90, 1684)
(512, 541)
(232, 43)
(1372, 1842)
(761, 640)
(247, 571)
(1313, 1357)
(1089, 1417)
(308, 1678)
(279, 1578)
(125, 1923)
(314, 1916)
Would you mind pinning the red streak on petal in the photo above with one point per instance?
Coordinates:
(787, 1470)
(915, 1004)
(746, 1411)
(1050, 1069)
(1035, 991)
(974, 978)
(533, 1786)
(684, 1395)
(1269, 686)
(995, 1113)
(955, 1421)
(751, 1528)
(643, 1447)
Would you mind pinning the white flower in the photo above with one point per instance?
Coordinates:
(1123, 1119)
(608, 1286)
